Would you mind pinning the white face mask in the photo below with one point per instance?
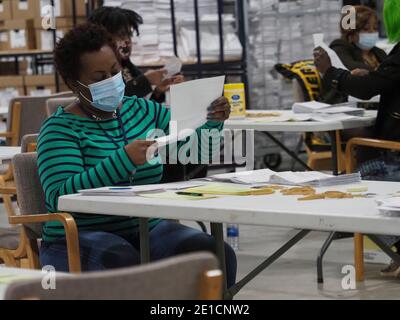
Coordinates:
(368, 40)
(106, 94)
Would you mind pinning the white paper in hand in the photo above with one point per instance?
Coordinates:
(189, 103)
(173, 67)
(335, 60)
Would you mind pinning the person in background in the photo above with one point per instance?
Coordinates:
(356, 49)
(121, 23)
(101, 139)
(383, 81)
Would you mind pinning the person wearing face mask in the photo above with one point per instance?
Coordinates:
(101, 140)
(121, 23)
(356, 49)
(383, 81)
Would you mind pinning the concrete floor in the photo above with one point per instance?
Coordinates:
(294, 275)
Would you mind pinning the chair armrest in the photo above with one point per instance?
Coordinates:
(6, 134)
(71, 233)
(366, 142)
(8, 190)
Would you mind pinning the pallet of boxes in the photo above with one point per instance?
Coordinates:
(22, 30)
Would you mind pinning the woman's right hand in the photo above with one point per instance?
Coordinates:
(138, 151)
(155, 77)
(359, 72)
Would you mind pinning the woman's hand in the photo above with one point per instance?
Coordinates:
(155, 77)
(138, 151)
(359, 72)
(219, 110)
(322, 60)
(165, 84)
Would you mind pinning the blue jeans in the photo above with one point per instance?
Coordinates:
(103, 250)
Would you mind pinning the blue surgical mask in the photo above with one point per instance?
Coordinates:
(368, 40)
(106, 94)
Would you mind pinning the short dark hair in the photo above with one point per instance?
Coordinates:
(117, 20)
(84, 38)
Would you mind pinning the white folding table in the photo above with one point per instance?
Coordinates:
(272, 124)
(7, 153)
(358, 215)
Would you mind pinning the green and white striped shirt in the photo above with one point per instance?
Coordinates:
(74, 154)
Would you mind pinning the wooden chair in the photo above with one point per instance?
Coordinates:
(12, 240)
(191, 276)
(33, 214)
(25, 116)
(351, 161)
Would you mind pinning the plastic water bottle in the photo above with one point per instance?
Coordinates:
(232, 232)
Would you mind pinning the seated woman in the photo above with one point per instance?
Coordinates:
(99, 140)
(384, 82)
(356, 49)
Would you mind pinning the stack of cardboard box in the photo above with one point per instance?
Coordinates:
(23, 26)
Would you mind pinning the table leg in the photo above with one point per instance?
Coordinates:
(289, 152)
(385, 248)
(335, 154)
(261, 267)
(217, 231)
(144, 240)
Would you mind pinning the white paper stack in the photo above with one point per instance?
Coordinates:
(314, 178)
(389, 206)
(303, 178)
(328, 110)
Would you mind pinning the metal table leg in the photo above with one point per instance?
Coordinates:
(385, 248)
(217, 231)
(324, 248)
(144, 240)
(289, 152)
(335, 155)
(261, 267)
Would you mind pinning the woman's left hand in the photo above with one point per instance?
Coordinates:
(219, 110)
(322, 60)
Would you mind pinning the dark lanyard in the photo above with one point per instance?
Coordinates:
(121, 128)
(120, 125)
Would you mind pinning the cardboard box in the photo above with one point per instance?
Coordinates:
(8, 68)
(44, 38)
(5, 10)
(12, 82)
(62, 8)
(21, 35)
(45, 83)
(4, 39)
(23, 9)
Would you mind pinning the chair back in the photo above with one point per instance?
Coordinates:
(53, 104)
(28, 143)
(182, 277)
(32, 114)
(31, 199)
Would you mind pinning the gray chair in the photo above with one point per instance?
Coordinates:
(25, 116)
(32, 114)
(185, 277)
(12, 246)
(33, 212)
(53, 104)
